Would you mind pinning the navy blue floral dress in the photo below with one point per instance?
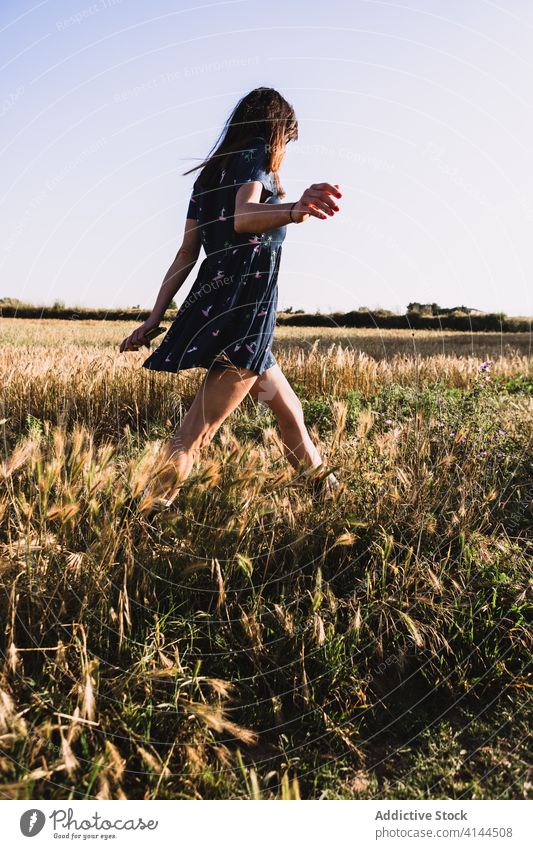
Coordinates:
(230, 312)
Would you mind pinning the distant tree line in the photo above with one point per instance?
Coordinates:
(417, 317)
(383, 320)
(435, 309)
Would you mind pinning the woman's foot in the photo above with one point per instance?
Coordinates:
(162, 489)
(329, 484)
(332, 482)
(320, 482)
(157, 500)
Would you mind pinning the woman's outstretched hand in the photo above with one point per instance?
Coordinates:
(318, 200)
(136, 339)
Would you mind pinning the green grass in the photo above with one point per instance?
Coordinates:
(258, 641)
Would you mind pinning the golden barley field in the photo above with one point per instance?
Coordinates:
(257, 639)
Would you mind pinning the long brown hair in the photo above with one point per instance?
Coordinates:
(261, 112)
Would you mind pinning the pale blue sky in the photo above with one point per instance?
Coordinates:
(421, 111)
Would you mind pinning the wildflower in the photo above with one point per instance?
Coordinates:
(486, 365)
(388, 421)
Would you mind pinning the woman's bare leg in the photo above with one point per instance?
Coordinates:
(222, 390)
(274, 389)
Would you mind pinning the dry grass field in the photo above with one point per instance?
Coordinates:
(256, 640)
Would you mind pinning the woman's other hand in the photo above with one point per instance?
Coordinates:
(318, 201)
(136, 339)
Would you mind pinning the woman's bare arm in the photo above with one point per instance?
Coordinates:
(251, 216)
(180, 269)
(174, 279)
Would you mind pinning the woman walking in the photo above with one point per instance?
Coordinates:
(227, 322)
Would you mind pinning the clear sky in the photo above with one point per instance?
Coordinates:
(421, 110)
